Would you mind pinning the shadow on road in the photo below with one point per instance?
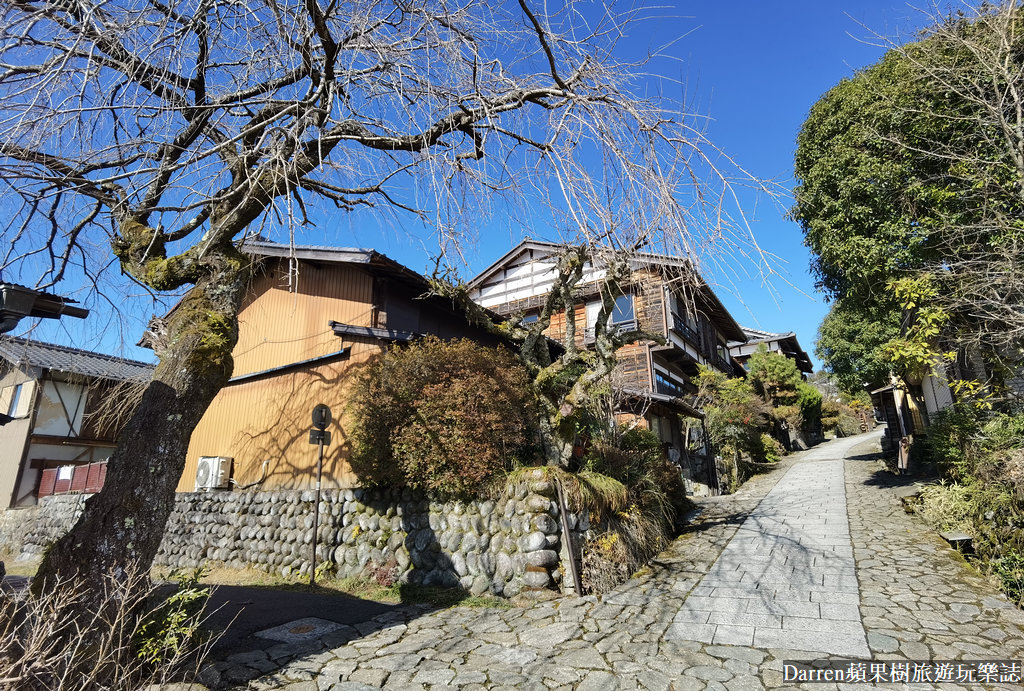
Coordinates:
(238, 612)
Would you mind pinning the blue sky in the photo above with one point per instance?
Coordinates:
(754, 68)
(757, 68)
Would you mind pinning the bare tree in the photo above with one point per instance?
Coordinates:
(163, 133)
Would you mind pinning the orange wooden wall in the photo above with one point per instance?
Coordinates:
(277, 326)
(269, 417)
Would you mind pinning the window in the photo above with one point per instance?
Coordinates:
(666, 385)
(12, 409)
(683, 314)
(623, 311)
(530, 319)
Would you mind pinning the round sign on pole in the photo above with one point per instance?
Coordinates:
(321, 416)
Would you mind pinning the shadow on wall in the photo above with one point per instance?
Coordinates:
(416, 543)
(278, 430)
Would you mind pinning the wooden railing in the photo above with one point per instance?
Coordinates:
(86, 479)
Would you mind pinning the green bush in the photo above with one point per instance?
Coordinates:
(734, 414)
(1004, 432)
(635, 457)
(170, 629)
(983, 494)
(445, 416)
(952, 435)
(1010, 570)
(771, 449)
(809, 400)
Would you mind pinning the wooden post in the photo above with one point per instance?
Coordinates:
(570, 549)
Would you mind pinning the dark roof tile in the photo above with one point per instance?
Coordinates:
(24, 352)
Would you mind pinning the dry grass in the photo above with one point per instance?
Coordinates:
(14, 567)
(595, 492)
(58, 641)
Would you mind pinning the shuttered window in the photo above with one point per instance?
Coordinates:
(16, 401)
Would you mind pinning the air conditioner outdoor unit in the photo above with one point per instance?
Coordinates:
(213, 472)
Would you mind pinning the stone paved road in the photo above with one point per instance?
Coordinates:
(787, 578)
(819, 543)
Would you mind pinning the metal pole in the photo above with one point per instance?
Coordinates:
(316, 510)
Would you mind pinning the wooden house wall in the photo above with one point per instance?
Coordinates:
(14, 435)
(633, 369)
(403, 307)
(557, 328)
(269, 419)
(279, 326)
(649, 302)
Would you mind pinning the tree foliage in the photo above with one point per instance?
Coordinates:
(774, 377)
(778, 381)
(851, 342)
(914, 169)
(734, 414)
(448, 417)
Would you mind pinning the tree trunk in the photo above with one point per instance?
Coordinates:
(122, 526)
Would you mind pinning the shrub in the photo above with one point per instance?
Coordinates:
(734, 413)
(646, 514)
(771, 450)
(635, 458)
(171, 627)
(1010, 570)
(442, 416)
(809, 400)
(983, 462)
(952, 434)
(133, 638)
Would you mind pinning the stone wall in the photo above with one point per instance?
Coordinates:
(501, 546)
(26, 532)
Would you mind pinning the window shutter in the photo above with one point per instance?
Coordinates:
(26, 399)
(6, 395)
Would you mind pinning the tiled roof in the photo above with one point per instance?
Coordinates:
(24, 352)
(758, 335)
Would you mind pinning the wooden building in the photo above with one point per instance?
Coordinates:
(665, 296)
(785, 343)
(312, 318)
(52, 398)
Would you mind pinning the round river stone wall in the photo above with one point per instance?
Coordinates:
(501, 546)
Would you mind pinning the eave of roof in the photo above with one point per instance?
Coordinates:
(372, 259)
(756, 336)
(666, 399)
(22, 352)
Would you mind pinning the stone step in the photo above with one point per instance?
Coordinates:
(961, 542)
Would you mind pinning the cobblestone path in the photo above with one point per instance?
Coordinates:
(818, 543)
(787, 579)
